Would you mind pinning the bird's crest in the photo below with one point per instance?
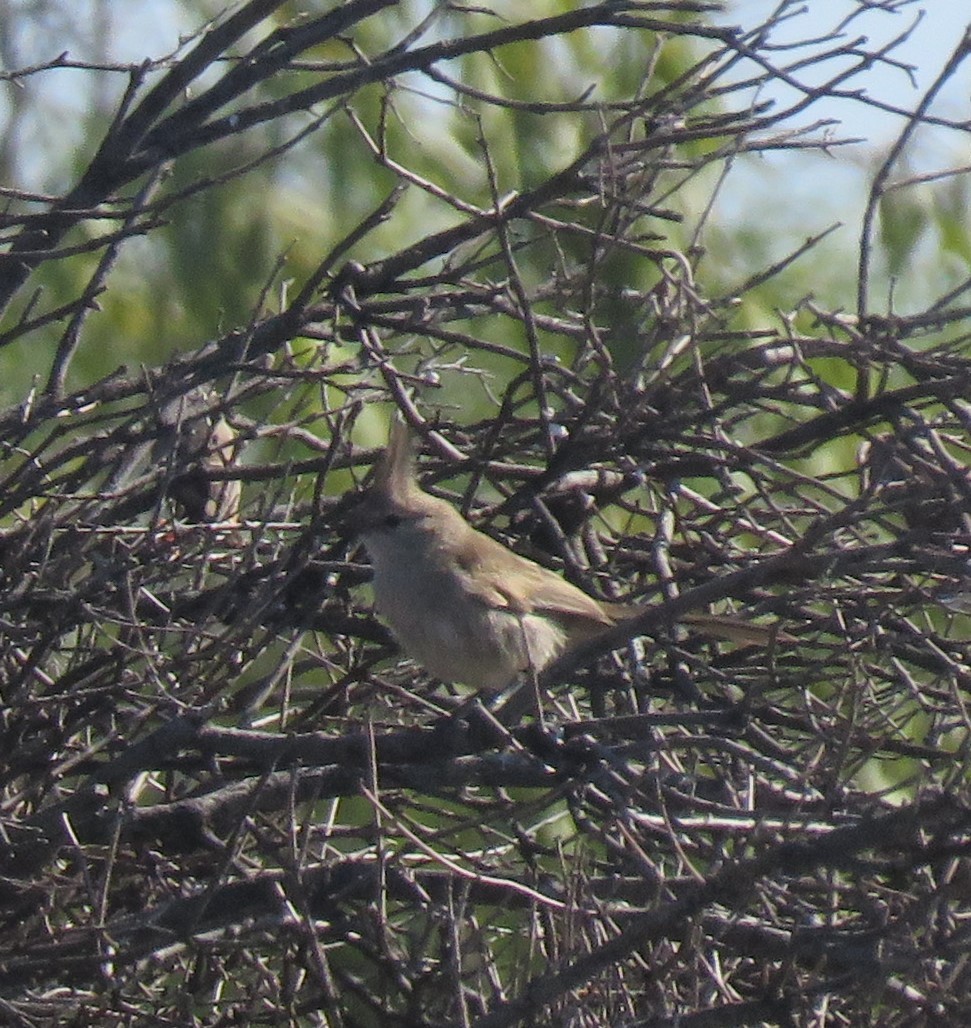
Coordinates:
(394, 476)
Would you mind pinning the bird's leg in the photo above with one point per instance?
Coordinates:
(533, 673)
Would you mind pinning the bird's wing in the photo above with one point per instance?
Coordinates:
(503, 579)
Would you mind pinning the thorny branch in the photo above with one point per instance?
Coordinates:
(217, 769)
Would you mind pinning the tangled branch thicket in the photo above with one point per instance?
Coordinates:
(227, 799)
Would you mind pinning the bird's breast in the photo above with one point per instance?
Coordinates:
(455, 635)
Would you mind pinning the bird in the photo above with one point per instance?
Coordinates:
(210, 446)
(186, 440)
(464, 606)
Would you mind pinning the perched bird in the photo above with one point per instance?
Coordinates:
(210, 447)
(186, 439)
(468, 609)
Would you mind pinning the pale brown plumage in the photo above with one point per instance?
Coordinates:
(466, 607)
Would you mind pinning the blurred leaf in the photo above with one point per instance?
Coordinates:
(904, 218)
(951, 203)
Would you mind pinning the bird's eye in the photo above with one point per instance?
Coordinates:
(392, 520)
